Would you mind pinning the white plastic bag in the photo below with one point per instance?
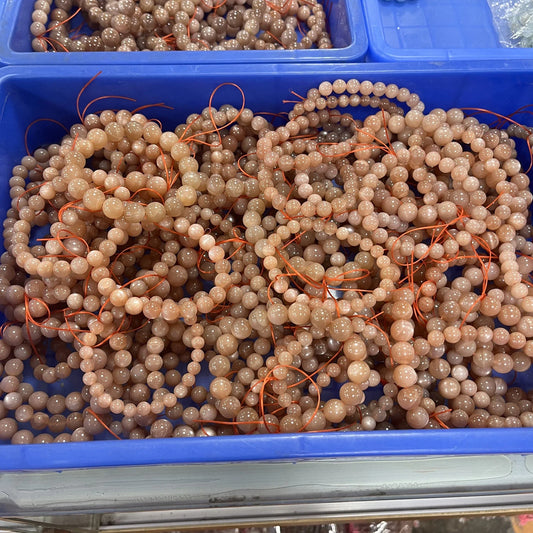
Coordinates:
(514, 21)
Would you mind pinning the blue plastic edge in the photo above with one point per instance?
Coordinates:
(354, 52)
(380, 52)
(263, 448)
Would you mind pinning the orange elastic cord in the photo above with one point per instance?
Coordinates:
(62, 22)
(218, 129)
(147, 190)
(70, 235)
(89, 410)
(436, 417)
(75, 32)
(147, 106)
(80, 115)
(41, 325)
(28, 321)
(190, 20)
(35, 122)
(104, 98)
(240, 167)
(49, 41)
(268, 378)
(485, 272)
(283, 9)
(20, 196)
(292, 92)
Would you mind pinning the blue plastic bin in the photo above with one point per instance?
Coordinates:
(435, 30)
(31, 93)
(346, 23)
